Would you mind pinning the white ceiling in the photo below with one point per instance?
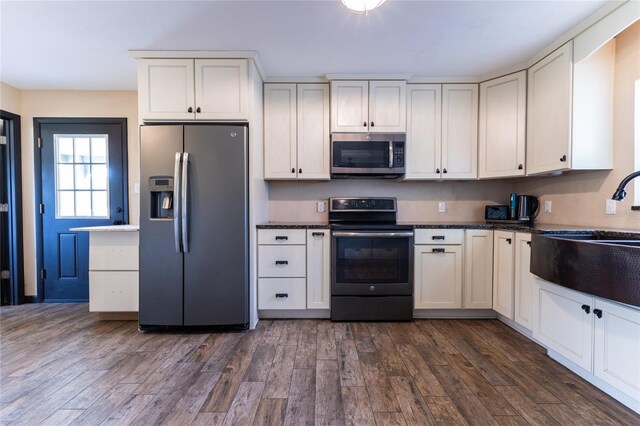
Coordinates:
(84, 44)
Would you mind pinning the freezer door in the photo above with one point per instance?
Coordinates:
(160, 263)
(216, 268)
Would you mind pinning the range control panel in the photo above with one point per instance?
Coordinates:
(362, 204)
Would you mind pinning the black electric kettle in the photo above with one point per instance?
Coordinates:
(527, 207)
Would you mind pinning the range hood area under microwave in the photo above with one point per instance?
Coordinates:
(367, 155)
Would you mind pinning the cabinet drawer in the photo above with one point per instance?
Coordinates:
(281, 236)
(113, 291)
(282, 293)
(439, 236)
(284, 261)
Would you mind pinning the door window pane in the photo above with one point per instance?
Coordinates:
(82, 176)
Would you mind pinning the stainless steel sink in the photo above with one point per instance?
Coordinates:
(595, 263)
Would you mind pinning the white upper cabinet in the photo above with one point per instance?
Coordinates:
(569, 111)
(501, 133)
(387, 106)
(165, 89)
(424, 117)
(459, 131)
(193, 89)
(221, 89)
(363, 106)
(280, 131)
(442, 136)
(313, 131)
(296, 131)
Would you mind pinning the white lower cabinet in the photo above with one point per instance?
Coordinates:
(477, 289)
(524, 282)
(293, 269)
(599, 336)
(503, 256)
(616, 356)
(563, 322)
(438, 270)
(318, 269)
(113, 271)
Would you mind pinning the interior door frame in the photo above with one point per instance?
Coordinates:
(37, 158)
(14, 199)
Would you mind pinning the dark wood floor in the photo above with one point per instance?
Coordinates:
(60, 365)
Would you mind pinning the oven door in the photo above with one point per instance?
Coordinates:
(371, 263)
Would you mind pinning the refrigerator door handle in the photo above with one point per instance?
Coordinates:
(185, 202)
(176, 202)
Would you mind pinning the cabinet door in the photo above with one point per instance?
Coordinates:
(561, 323)
(166, 89)
(313, 131)
(349, 106)
(524, 282)
(477, 292)
(280, 131)
(459, 131)
(549, 112)
(221, 89)
(438, 277)
(501, 132)
(424, 115)
(387, 106)
(503, 246)
(318, 269)
(616, 347)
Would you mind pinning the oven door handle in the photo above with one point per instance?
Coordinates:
(390, 234)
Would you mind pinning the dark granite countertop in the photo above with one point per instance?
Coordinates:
(538, 228)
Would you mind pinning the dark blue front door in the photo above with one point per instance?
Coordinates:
(83, 184)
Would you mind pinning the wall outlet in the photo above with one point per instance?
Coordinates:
(610, 207)
(547, 206)
(442, 207)
(320, 207)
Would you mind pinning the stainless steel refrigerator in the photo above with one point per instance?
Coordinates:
(194, 257)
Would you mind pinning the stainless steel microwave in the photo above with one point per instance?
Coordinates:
(367, 155)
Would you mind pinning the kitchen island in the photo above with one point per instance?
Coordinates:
(113, 271)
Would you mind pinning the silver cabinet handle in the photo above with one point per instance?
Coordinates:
(176, 202)
(390, 154)
(185, 202)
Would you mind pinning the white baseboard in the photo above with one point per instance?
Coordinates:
(453, 313)
(294, 313)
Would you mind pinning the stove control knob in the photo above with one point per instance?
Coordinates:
(372, 288)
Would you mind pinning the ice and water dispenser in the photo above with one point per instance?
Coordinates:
(161, 188)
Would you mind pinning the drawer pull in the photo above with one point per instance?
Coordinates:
(281, 238)
(438, 237)
(317, 234)
(438, 250)
(282, 262)
(282, 295)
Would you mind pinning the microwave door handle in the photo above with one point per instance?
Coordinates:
(390, 154)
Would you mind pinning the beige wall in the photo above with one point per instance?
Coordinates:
(10, 100)
(579, 199)
(417, 201)
(50, 103)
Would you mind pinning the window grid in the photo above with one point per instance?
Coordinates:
(77, 193)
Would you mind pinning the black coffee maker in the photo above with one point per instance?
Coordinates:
(527, 207)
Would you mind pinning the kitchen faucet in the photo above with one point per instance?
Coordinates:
(620, 192)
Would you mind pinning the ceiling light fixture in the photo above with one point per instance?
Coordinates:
(362, 6)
